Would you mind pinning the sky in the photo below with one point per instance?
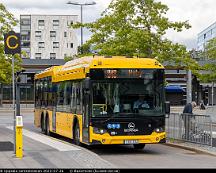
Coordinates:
(199, 13)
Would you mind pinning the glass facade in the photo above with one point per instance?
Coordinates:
(26, 90)
(26, 94)
(205, 36)
(25, 30)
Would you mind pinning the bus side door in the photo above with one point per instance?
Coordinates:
(86, 108)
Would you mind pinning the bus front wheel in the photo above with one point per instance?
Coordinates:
(139, 146)
(77, 134)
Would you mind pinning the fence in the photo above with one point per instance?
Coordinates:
(190, 128)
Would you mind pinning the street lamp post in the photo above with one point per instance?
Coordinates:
(81, 15)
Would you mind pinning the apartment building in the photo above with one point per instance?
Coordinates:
(48, 36)
(206, 35)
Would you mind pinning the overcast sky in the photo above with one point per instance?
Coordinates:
(199, 13)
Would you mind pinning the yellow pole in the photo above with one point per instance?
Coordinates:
(19, 137)
(19, 142)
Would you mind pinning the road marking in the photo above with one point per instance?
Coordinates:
(47, 140)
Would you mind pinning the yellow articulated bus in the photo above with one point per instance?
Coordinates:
(103, 100)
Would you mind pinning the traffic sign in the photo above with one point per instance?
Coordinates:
(12, 43)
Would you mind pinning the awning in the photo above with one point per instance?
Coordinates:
(174, 89)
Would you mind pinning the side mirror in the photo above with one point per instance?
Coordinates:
(167, 108)
(86, 84)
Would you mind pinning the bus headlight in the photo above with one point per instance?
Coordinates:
(159, 130)
(99, 130)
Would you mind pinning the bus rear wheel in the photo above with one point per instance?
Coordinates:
(42, 124)
(47, 130)
(77, 134)
(139, 146)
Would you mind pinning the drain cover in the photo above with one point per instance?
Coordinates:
(6, 146)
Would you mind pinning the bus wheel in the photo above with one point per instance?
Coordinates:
(47, 130)
(42, 124)
(77, 134)
(139, 146)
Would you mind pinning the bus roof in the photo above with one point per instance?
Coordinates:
(77, 69)
(48, 72)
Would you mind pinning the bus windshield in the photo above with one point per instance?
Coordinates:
(129, 97)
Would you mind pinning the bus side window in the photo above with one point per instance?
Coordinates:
(49, 92)
(41, 93)
(54, 94)
(67, 96)
(45, 93)
(37, 85)
(60, 102)
(79, 95)
(73, 98)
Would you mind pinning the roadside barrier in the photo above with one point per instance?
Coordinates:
(190, 127)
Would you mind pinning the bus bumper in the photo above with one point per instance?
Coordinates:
(154, 138)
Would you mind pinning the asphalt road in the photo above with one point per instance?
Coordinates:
(153, 156)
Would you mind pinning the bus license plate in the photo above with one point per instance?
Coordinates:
(131, 142)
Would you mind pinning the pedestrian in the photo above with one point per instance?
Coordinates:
(188, 109)
(189, 118)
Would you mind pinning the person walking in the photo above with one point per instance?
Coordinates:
(189, 118)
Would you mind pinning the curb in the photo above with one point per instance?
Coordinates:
(195, 149)
(11, 110)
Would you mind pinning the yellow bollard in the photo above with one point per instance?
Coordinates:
(19, 142)
(19, 137)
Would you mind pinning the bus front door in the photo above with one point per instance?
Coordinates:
(86, 99)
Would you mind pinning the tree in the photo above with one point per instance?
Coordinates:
(137, 27)
(85, 50)
(209, 68)
(69, 58)
(8, 22)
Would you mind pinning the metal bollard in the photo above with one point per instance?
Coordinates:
(19, 137)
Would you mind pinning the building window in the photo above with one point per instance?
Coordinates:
(37, 55)
(52, 55)
(25, 37)
(25, 27)
(41, 24)
(25, 22)
(52, 33)
(65, 34)
(55, 44)
(204, 36)
(25, 44)
(41, 45)
(213, 30)
(55, 23)
(38, 34)
(70, 23)
(71, 45)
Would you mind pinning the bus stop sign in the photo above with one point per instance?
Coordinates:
(12, 43)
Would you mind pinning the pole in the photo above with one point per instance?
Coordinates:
(17, 98)
(14, 110)
(189, 86)
(81, 16)
(212, 94)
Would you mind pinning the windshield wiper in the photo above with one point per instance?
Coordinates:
(117, 115)
(113, 116)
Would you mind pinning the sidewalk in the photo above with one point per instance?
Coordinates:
(193, 147)
(23, 108)
(40, 155)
